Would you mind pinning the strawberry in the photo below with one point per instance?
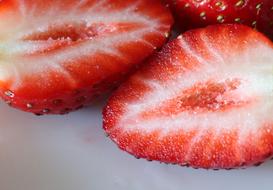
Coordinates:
(56, 56)
(206, 101)
(198, 13)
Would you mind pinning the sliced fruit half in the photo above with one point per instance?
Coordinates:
(56, 56)
(206, 101)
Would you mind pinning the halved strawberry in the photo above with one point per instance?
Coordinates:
(197, 13)
(56, 55)
(206, 101)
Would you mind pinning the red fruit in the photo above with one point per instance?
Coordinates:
(197, 13)
(56, 55)
(206, 101)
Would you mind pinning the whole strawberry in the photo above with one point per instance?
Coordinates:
(197, 13)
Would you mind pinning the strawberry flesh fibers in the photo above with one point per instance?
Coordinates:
(56, 56)
(206, 101)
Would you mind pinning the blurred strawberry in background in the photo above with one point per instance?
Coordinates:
(198, 13)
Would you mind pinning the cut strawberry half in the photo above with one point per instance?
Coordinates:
(56, 56)
(197, 13)
(206, 101)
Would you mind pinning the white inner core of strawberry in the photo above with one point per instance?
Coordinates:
(58, 36)
(243, 95)
(71, 32)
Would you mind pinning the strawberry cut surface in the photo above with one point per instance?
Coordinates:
(205, 100)
(56, 56)
(257, 14)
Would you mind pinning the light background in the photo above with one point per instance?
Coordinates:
(71, 153)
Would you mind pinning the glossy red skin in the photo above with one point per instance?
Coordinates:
(173, 147)
(60, 95)
(189, 13)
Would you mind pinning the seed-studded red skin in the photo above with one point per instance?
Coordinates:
(89, 75)
(211, 151)
(192, 13)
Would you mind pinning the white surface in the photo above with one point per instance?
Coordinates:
(71, 153)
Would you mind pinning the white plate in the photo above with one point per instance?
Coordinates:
(71, 153)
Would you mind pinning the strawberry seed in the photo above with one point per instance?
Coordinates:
(240, 3)
(203, 15)
(29, 105)
(9, 94)
(220, 19)
(238, 20)
(187, 5)
(259, 6)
